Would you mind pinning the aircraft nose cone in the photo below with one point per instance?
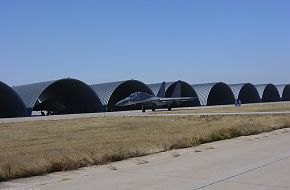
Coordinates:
(120, 103)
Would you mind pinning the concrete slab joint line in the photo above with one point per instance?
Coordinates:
(245, 171)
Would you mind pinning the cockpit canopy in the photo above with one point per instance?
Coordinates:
(135, 95)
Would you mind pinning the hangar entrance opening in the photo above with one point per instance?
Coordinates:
(249, 94)
(10, 103)
(68, 96)
(220, 94)
(286, 93)
(270, 94)
(185, 91)
(124, 90)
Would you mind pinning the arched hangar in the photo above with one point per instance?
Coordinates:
(11, 105)
(178, 89)
(111, 93)
(284, 91)
(65, 96)
(246, 92)
(268, 92)
(214, 94)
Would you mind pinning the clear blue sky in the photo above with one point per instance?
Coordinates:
(149, 40)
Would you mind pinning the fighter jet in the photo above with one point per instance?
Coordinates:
(148, 100)
(52, 106)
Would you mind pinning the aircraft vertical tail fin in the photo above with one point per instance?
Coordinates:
(161, 92)
(177, 90)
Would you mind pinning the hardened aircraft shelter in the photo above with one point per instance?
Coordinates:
(111, 93)
(246, 92)
(70, 96)
(284, 91)
(11, 105)
(268, 92)
(214, 94)
(177, 89)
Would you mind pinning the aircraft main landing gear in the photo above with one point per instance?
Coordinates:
(143, 108)
(153, 108)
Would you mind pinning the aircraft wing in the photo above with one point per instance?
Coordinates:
(49, 105)
(176, 99)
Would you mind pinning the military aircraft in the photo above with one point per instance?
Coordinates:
(52, 106)
(148, 100)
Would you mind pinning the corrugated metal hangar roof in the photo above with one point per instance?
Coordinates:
(284, 91)
(74, 96)
(111, 93)
(246, 92)
(177, 89)
(11, 105)
(268, 92)
(217, 93)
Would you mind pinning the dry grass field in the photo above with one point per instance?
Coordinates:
(40, 147)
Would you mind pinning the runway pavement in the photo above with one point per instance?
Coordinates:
(254, 162)
(133, 114)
